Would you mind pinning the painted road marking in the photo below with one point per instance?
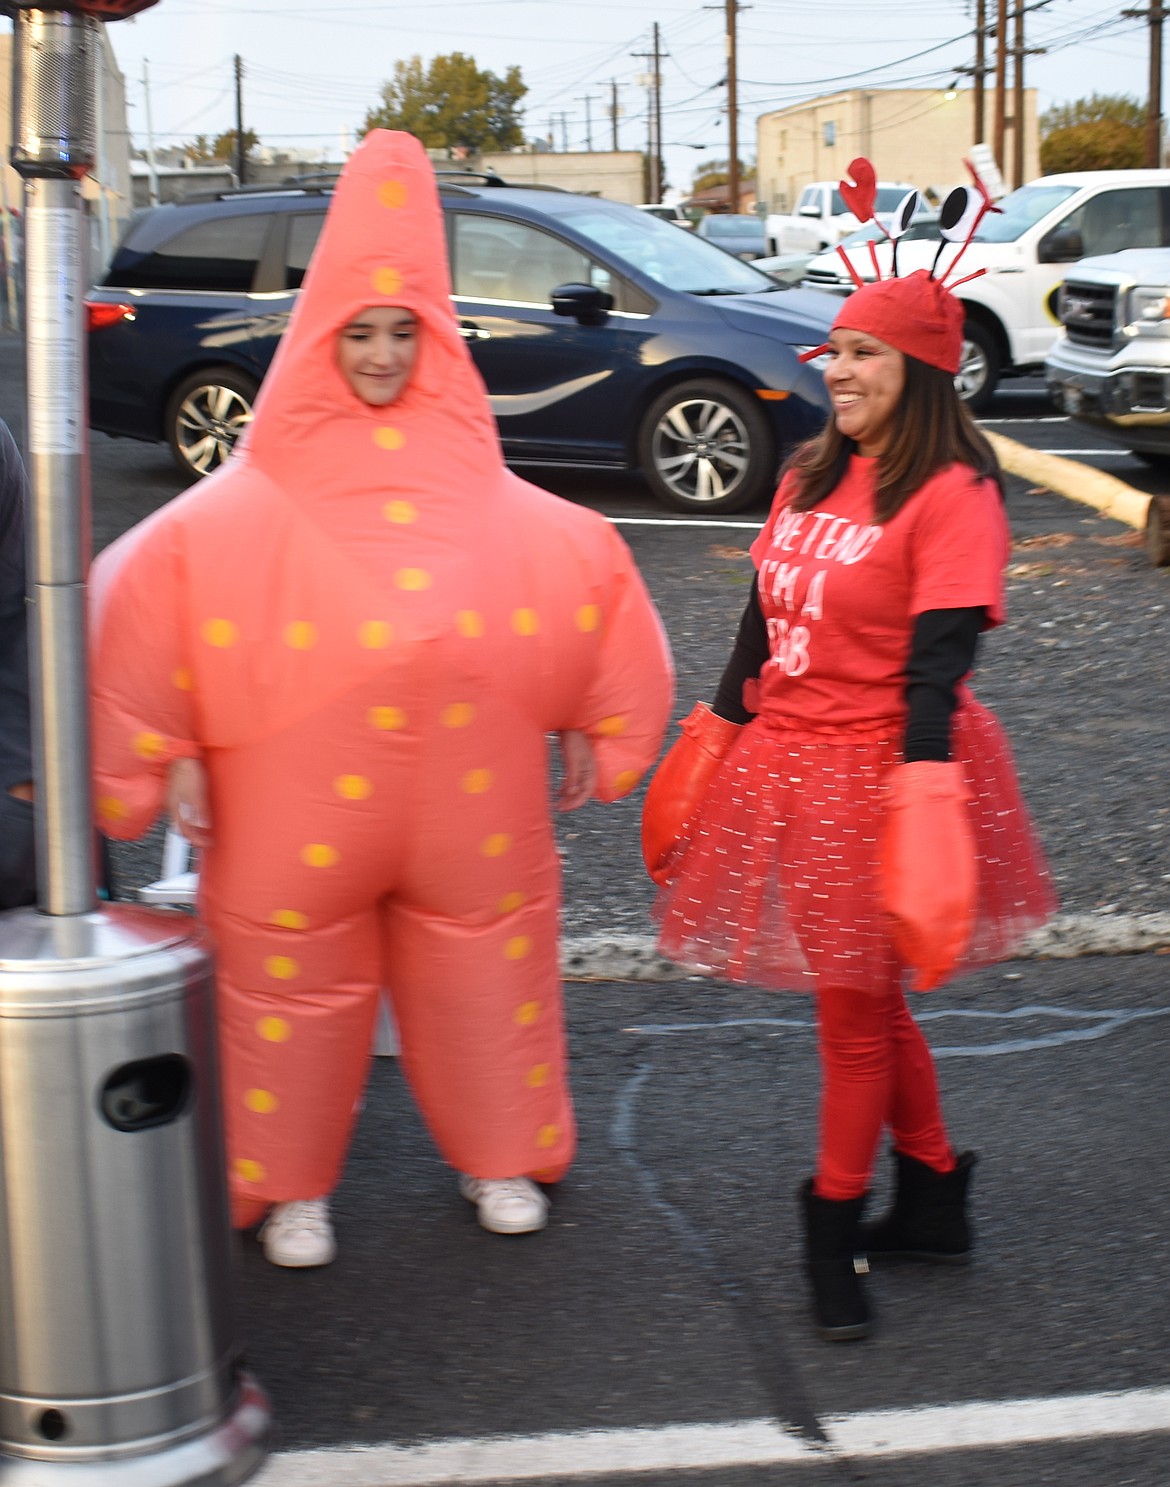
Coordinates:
(873, 1434)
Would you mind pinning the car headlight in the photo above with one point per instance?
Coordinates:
(819, 362)
(1149, 307)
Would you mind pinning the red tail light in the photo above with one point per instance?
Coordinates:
(98, 316)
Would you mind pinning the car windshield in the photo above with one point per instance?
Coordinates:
(1019, 211)
(676, 260)
(925, 227)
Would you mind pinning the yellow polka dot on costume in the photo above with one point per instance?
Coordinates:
(548, 1136)
(386, 719)
(150, 745)
(458, 715)
(400, 513)
(289, 919)
(537, 1076)
(249, 1171)
(526, 1014)
(387, 280)
(183, 679)
(353, 787)
(413, 580)
(112, 809)
(386, 436)
(375, 635)
(317, 854)
(626, 780)
(476, 781)
(525, 621)
(496, 844)
(511, 902)
(301, 635)
(612, 727)
(588, 617)
(470, 623)
(274, 1029)
(220, 633)
(518, 947)
(261, 1101)
(392, 193)
(281, 967)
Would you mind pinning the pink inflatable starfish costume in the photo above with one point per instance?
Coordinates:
(366, 627)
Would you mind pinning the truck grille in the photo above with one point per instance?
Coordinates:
(828, 278)
(1088, 313)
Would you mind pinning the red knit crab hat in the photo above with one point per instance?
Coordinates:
(917, 315)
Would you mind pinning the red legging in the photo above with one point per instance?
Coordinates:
(876, 1070)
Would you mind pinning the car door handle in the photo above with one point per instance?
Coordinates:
(472, 332)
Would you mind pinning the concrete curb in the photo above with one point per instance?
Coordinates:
(635, 957)
(1076, 482)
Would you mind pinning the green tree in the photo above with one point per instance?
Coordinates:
(717, 173)
(224, 145)
(452, 103)
(1102, 132)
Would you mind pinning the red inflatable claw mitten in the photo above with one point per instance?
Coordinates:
(929, 877)
(679, 784)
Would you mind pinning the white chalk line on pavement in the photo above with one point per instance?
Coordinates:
(924, 1430)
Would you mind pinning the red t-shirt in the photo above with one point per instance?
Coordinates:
(840, 592)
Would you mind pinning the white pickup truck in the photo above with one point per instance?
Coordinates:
(1024, 251)
(822, 219)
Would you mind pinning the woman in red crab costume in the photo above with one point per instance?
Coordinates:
(847, 811)
(342, 656)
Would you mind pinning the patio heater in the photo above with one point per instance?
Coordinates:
(119, 1361)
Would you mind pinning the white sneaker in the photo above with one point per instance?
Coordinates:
(299, 1234)
(506, 1205)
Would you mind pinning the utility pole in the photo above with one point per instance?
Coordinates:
(241, 147)
(653, 82)
(152, 175)
(1155, 15)
(980, 67)
(732, 8)
(613, 113)
(1001, 51)
(587, 101)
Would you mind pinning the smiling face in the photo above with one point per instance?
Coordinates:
(376, 353)
(865, 379)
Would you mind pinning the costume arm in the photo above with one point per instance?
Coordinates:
(627, 705)
(143, 703)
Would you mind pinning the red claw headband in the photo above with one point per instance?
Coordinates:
(917, 315)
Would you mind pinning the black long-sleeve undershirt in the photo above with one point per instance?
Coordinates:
(942, 652)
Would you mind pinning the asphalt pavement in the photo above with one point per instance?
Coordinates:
(658, 1331)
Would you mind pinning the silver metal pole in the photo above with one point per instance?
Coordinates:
(53, 147)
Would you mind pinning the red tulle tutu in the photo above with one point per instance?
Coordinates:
(778, 886)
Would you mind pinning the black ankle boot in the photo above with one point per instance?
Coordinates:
(929, 1218)
(831, 1240)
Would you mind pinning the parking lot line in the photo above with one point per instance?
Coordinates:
(925, 1430)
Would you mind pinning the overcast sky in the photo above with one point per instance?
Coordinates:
(312, 70)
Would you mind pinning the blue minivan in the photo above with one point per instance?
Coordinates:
(606, 337)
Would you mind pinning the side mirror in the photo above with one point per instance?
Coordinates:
(810, 211)
(584, 303)
(1062, 245)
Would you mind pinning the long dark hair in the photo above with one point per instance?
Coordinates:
(932, 429)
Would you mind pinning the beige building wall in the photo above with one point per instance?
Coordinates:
(911, 134)
(614, 174)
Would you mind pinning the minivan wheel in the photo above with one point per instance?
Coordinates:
(978, 374)
(706, 446)
(207, 413)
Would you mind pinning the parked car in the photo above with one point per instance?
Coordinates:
(605, 336)
(792, 268)
(1024, 250)
(737, 233)
(667, 213)
(822, 219)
